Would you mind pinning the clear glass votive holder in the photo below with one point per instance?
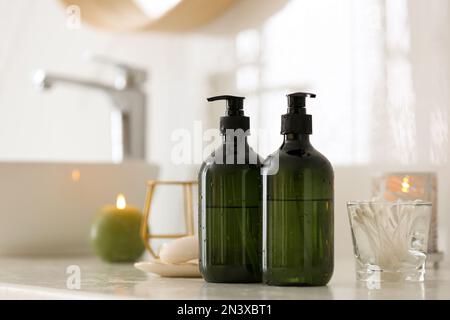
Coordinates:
(390, 239)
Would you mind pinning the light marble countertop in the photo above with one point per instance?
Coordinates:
(46, 278)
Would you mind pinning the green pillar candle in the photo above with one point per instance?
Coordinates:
(115, 232)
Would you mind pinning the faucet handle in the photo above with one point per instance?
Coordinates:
(126, 75)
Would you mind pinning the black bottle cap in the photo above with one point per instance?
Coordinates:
(296, 120)
(234, 116)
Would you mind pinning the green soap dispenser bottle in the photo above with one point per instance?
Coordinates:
(298, 198)
(230, 216)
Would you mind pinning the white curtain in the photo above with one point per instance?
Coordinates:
(380, 70)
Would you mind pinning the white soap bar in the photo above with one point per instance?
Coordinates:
(180, 250)
(183, 270)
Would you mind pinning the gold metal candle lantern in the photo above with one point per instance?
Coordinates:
(409, 187)
(146, 232)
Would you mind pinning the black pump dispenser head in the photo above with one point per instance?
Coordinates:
(234, 116)
(296, 120)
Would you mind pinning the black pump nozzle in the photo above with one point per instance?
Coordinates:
(235, 105)
(296, 120)
(234, 117)
(297, 99)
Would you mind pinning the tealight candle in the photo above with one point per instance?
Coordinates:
(115, 232)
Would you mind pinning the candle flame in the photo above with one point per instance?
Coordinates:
(121, 203)
(405, 184)
(76, 175)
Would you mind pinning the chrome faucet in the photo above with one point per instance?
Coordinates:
(128, 116)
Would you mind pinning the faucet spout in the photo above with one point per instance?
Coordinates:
(128, 115)
(44, 81)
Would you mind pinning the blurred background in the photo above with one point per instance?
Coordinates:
(380, 69)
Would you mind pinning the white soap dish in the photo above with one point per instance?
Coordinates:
(172, 270)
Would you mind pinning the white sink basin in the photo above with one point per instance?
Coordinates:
(47, 208)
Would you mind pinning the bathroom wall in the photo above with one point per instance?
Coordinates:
(69, 124)
(381, 71)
